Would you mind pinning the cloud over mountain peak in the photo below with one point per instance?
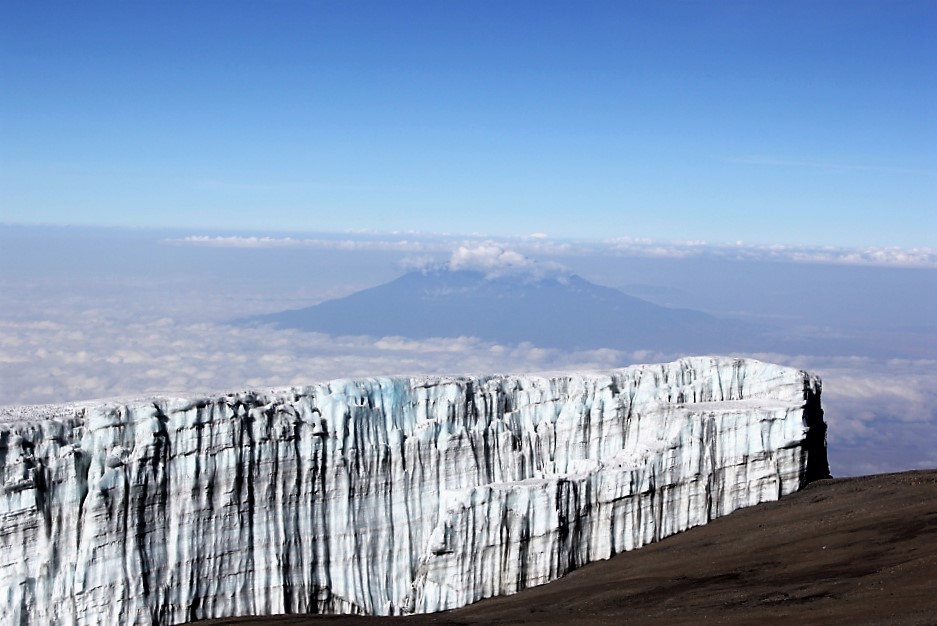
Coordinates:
(496, 261)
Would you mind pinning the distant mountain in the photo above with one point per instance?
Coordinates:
(567, 313)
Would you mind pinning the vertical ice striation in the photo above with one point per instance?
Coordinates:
(382, 496)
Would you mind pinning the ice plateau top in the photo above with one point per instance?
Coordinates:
(382, 496)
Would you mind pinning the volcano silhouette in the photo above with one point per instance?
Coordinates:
(566, 313)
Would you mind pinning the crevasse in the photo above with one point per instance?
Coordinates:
(382, 495)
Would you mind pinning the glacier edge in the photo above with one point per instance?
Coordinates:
(384, 495)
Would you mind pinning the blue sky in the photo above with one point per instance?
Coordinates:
(797, 122)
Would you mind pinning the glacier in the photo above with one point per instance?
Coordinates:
(381, 496)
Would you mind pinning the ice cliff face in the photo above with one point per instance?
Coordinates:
(382, 496)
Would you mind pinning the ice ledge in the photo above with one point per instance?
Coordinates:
(385, 496)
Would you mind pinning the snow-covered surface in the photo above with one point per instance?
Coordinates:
(382, 496)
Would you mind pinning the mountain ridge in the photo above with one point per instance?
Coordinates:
(566, 312)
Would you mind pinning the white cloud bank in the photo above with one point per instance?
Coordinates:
(348, 244)
(884, 257)
(494, 261)
(882, 415)
(49, 362)
(543, 245)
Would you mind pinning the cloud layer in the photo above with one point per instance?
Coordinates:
(882, 414)
(135, 317)
(494, 261)
(543, 245)
(47, 362)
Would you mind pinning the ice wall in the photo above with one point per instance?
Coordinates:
(383, 496)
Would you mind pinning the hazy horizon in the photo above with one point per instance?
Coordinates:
(91, 313)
